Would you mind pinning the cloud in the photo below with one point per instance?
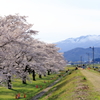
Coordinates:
(57, 20)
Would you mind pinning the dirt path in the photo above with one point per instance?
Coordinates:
(94, 78)
(46, 90)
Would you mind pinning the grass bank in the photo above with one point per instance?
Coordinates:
(72, 87)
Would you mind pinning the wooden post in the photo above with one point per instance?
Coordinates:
(24, 95)
(36, 86)
(16, 96)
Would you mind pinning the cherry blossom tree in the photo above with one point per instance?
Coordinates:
(21, 54)
(13, 31)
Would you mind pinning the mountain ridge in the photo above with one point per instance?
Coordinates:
(83, 54)
(82, 41)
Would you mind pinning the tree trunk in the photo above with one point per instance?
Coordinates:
(9, 82)
(29, 70)
(24, 80)
(48, 72)
(33, 75)
(44, 75)
(40, 76)
(26, 68)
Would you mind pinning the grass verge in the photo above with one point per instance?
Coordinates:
(72, 87)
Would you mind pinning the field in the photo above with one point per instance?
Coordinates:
(29, 90)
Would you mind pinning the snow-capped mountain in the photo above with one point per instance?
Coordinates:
(83, 41)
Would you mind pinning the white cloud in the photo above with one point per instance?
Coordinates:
(56, 20)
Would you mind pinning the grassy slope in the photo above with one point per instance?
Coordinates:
(73, 87)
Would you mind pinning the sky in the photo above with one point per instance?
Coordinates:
(57, 20)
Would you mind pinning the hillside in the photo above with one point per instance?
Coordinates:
(82, 42)
(79, 54)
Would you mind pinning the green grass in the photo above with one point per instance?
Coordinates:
(62, 90)
(29, 89)
(72, 87)
(66, 89)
